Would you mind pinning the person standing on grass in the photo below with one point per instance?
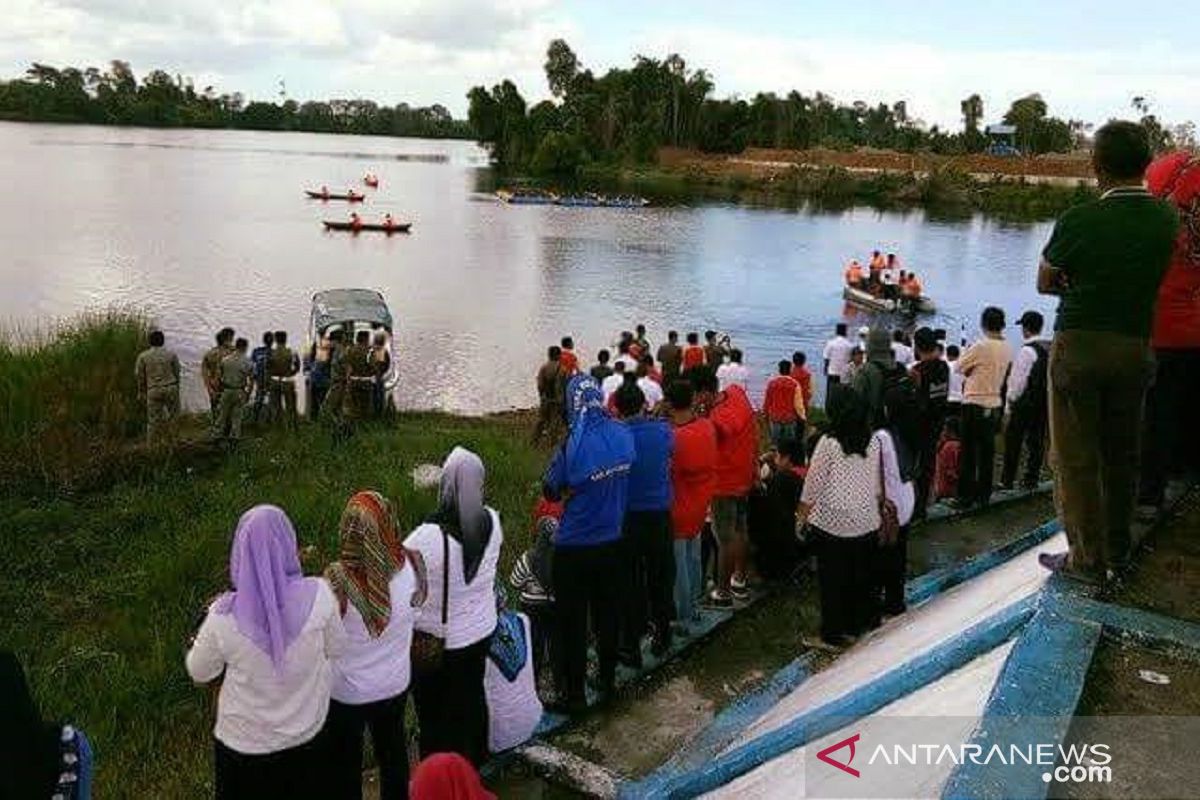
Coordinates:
(590, 470)
(734, 372)
(282, 366)
(236, 379)
(670, 358)
(714, 351)
(1027, 400)
(381, 365)
(1172, 438)
(550, 381)
(693, 481)
(837, 356)
(271, 641)
(640, 339)
(649, 385)
(649, 555)
(156, 370)
(1105, 260)
(984, 367)
(613, 382)
(210, 368)
(840, 504)
(258, 357)
(783, 406)
(900, 349)
(737, 457)
(693, 354)
(601, 370)
(568, 361)
(802, 376)
(460, 547)
(378, 587)
(931, 377)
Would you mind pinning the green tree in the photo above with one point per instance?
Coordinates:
(562, 66)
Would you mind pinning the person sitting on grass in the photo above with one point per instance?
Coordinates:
(509, 681)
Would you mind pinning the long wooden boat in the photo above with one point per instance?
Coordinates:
(868, 301)
(351, 198)
(378, 227)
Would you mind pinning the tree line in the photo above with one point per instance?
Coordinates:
(626, 115)
(115, 97)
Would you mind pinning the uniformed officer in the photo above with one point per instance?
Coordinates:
(157, 373)
(282, 366)
(361, 375)
(210, 368)
(381, 364)
(237, 378)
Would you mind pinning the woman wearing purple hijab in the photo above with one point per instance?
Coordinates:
(270, 642)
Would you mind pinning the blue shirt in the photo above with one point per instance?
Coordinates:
(258, 357)
(594, 512)
(650, 477)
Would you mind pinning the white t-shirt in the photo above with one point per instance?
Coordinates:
(629, 361)
(843, 490)
(732, 374)
(369, 670)
(837, 353)
(888, 276)
(261, 710)
(903, 353)
(955, 394)
(514, 709)
(652, 391)
(611, 384)
(901, 493)
(472, 613)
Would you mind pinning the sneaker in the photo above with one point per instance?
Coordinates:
(737, 581)
(739, 592)
(719, 599)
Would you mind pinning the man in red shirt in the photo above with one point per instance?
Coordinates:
(568, 362)
(693, 354)
(737, 457)
(803, 377)
(1172, 438)
(693, 480)
(783, 405)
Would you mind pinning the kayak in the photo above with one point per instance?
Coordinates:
(353, 198)
(372, 182)
(396, 227)
(857, 297)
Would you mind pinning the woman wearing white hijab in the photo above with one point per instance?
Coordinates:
(460, 544)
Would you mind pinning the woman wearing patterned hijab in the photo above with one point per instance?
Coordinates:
(378, 586)
(272, 637)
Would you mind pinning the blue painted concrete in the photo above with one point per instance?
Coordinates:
(1145, 627)
(889, 687)
(1032, 703)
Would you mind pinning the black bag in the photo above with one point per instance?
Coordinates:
(1036, 386)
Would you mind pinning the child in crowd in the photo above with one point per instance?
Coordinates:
(778, 552)
(532, 577)
(949, 449)
(955, 398)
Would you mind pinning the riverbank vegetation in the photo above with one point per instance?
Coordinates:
(114, 96)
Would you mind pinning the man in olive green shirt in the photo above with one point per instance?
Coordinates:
(210, 368)
(237, 376)
(157, 372)
(1105, 261)
(282, 366)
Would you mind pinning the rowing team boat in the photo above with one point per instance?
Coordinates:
(395, 227)
(530, 197)
(868, 301)
(349, 197)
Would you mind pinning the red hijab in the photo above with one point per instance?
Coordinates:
(447, 776)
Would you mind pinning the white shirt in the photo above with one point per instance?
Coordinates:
(472, 613)
(261, 710)
(369, 669)
(843, 490)
(955, 394)
(837, 353)
(651, 389)
(1021, 368)
(903, 353)
(901, 493)
(732, 374)
(514, 709)
(888, 276)
(629, 361)
(611, 384)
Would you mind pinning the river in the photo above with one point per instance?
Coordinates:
(210, 228)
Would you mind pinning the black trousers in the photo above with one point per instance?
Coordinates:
(978, 464)
(542, 624)
(931, 430)
(385, 718)
(649, 565)
(1028, 426)
(451, 706)
(587, 584)
(299, 772)
(318, 399)
(891, 569)
(1171, 442)
(846, 582)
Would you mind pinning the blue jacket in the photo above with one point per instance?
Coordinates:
(591, 469)
(650, 477)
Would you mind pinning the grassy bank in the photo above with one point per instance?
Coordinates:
(103, 588)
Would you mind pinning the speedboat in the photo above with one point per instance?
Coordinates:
(868, 301)
(353, 310)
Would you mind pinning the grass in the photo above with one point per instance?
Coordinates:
(103, 588)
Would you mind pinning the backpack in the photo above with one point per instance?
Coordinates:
(902, 410)
(1036, 386)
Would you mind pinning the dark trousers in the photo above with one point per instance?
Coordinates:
(978, 464)
(318, 399)
(451, 706)
(542, 623)
(649, 565)
(830, 382)
(1028, 426)
(846, 582)
(1097, 384)
(587, 583)
(931, 430)
(299, 772)
(891, 569)
(1171, 442)
(346, 723)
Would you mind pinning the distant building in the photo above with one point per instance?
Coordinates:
(1002, 140)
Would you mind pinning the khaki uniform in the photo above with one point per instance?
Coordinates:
(551, 385)
(361, 376)
(282, 366)
(210, 371)
(335, 399)
(157, 373)
(236, 373)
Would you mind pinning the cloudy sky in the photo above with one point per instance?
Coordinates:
(1086, 58)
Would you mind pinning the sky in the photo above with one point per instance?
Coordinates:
(1087, 59)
